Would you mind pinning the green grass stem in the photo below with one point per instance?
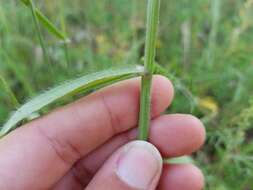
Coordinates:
(151, 32)
(8, 91)
(38, 29)
(64, 30)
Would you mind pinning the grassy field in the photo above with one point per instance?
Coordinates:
(205, 45)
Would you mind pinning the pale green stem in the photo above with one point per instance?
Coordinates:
(66, 52)
(37, 26)
(151, 32)
(63, 27)
(215, 13)
(9, 92)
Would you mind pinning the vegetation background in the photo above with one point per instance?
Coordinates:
(206, 47)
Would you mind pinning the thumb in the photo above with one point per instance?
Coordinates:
(135, 166)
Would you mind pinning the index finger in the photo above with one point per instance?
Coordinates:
(55, 142)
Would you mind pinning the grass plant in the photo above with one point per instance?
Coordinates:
(210, 64)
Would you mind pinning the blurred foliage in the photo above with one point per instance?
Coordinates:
(206, 45)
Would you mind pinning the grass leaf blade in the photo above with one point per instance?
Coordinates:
(49, 25)
(26, 2)
(46, 22)
(82, 84)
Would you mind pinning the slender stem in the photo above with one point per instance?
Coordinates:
(9, 92)
(66, 52)
(37, 26)
(145, 105)
(63, 28)
(215, 12)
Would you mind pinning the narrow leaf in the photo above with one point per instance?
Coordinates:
(46, 22)
(82, 84)
(49, 25)
(26, 2)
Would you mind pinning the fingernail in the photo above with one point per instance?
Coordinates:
(139, 164)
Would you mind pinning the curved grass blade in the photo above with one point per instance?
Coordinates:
(50, 26)
(26, 2)
(82, 84)
(46, 22)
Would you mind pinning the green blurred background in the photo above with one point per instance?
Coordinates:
(206, 47)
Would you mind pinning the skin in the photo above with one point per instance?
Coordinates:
(90, 144)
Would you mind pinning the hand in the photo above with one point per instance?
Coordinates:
(89, 144)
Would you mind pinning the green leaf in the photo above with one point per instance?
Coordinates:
(49, 25)
(82, 84)
(46, 22)
(26, 2)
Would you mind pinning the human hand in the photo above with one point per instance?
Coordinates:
(89, 144)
